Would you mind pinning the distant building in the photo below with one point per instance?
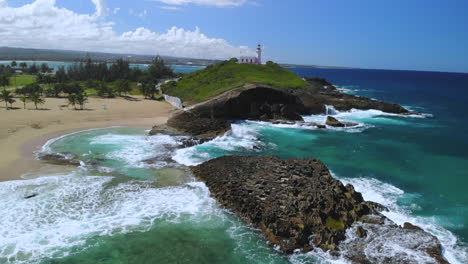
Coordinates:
(252, 60)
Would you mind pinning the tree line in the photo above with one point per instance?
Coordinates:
(73, 80)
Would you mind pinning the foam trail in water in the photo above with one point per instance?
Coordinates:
(134, 149)
(388, 195)
(59, 217)
(241, 137)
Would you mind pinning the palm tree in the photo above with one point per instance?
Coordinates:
(36, 98)
(81, 99)
(24, 99)
(72, 100)
(13, 64)
(7, 96)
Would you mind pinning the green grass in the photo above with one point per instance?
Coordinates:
(21, 80)
(92, 91)
(216, 79)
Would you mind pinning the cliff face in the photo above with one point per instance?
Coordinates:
(256, 103)
(298, 205)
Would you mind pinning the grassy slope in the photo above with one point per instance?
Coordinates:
(216, 79)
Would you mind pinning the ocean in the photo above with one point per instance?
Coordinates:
(56, 64)
(132, 200)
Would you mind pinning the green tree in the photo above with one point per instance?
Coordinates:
(7, 97)
(104, 90)
(23, 96)
(4, 80)
(123, 86)
(45, 68)
(13, 64)
(61, 75)
(158, 70)
(81, 99)
(24, 99)
(37, 99)
(23, 65)
(72, 100)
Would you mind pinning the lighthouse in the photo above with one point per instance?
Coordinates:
(259, 54)
(253, 60)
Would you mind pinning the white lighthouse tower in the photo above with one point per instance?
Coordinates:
(253, 59)
(259, 54)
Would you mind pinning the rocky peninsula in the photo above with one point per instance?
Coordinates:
(227, 92)
(298, 205)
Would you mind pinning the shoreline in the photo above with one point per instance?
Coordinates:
(23, 132)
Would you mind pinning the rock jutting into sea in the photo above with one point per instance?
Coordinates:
(324, 93)
(298, 205)
(254, 103)
(266, 103)
(331, 121)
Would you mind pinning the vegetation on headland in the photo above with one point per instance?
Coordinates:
(219, 78)
(79, 81)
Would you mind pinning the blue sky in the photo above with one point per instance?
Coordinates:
(397, 34)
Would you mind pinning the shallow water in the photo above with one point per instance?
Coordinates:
(133, 201)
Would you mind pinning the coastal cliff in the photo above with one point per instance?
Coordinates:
(228, 91)
(298, 205)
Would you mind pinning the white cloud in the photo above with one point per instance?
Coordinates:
(101, 7)
(216, 3)
(170, 7)
(42, 24)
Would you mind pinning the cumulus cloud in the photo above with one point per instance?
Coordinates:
(101, 7)
(42, 24)
(216, 3)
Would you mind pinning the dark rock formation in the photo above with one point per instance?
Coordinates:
(298, 205)
(256, 103)
(331, 121)
(60, 158)
(324, 93)
(293, 201)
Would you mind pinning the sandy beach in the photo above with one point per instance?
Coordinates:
(24, 131)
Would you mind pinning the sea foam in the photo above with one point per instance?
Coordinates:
(69, 209)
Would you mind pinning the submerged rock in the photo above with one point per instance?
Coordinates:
(298, 205)
(31, 196)
(60, 158)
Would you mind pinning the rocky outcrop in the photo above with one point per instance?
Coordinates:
(60, 158)
(331, 121)
(324, 93)
(265, 103)
(298, 205)
(256, 103)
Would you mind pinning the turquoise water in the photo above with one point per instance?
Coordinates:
(133, 200)
(56, 64)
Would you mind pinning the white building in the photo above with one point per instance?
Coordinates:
(252, 60)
